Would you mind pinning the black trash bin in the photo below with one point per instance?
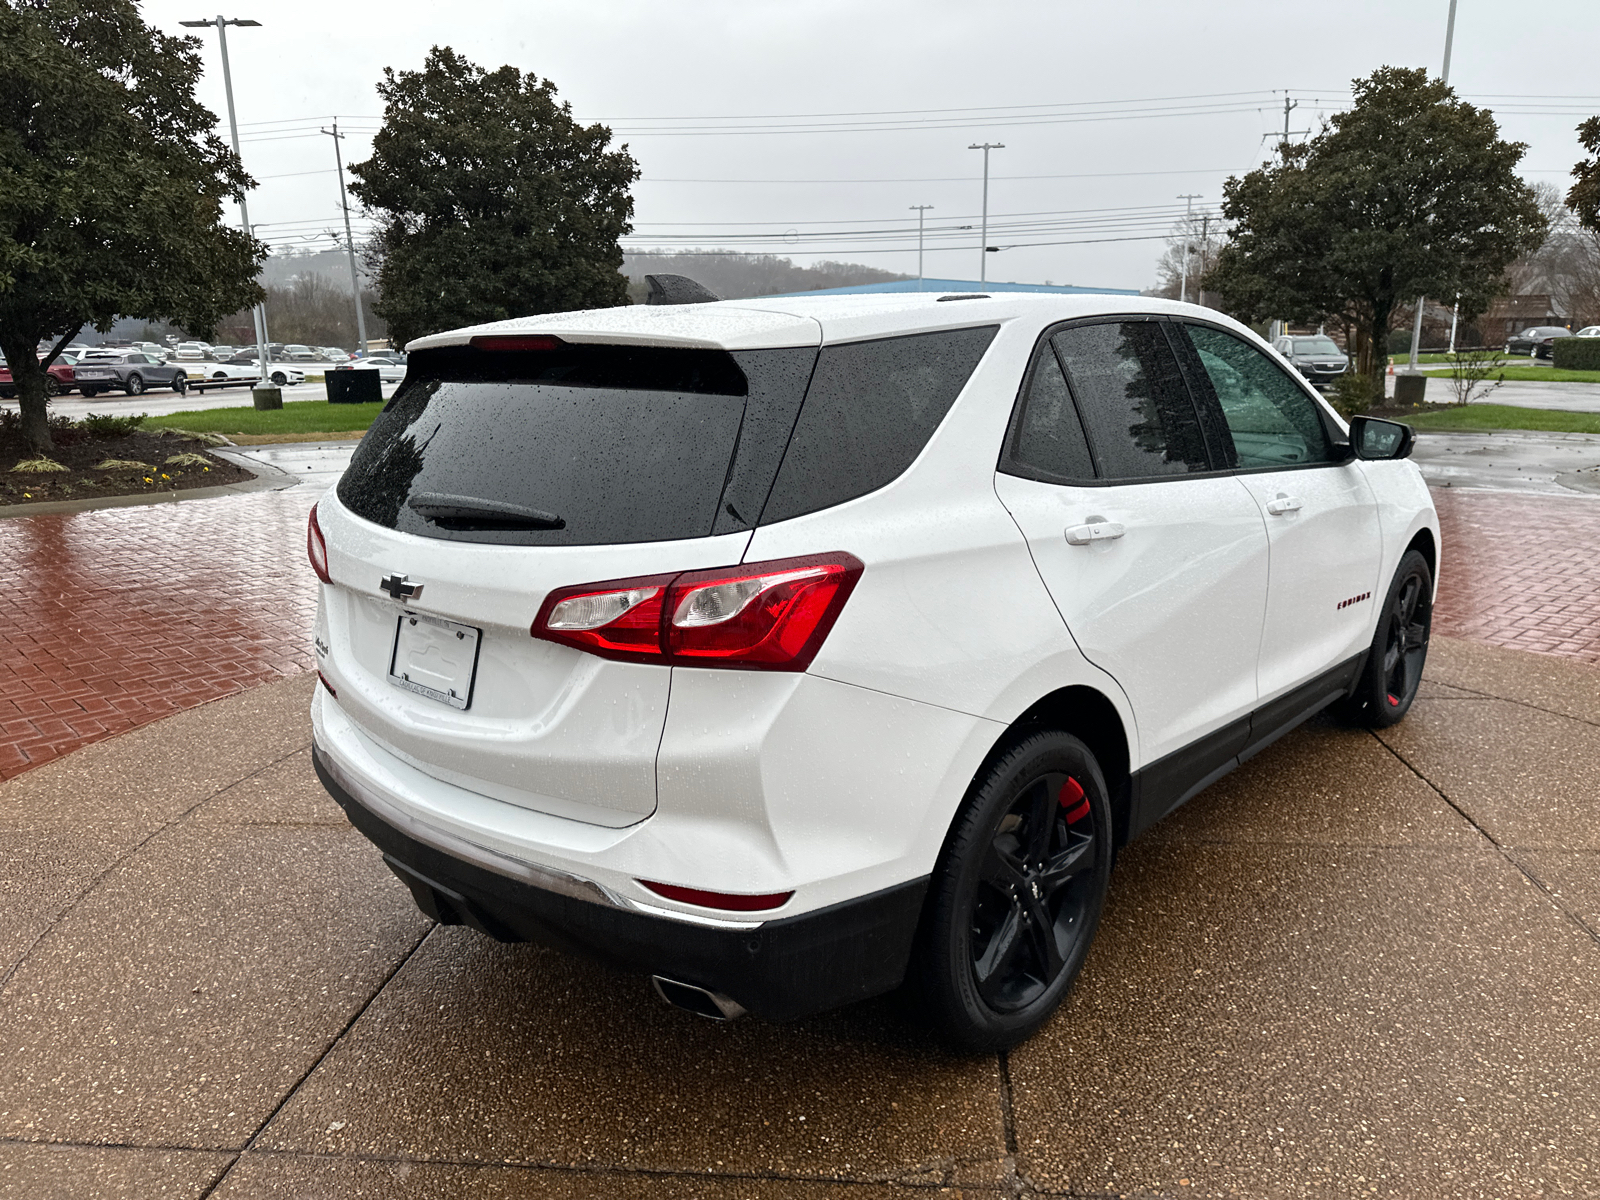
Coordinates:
(1409, 389)
(358, 385)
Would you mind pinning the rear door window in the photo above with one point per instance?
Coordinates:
(871, 408)
(581, 445)
(1135, 405)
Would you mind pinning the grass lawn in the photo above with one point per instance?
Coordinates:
(1531, 374)
(296, 416)
(1478, 417)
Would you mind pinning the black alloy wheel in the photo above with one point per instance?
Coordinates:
(1393, 671)
(279, 379)
(135, 385)
(52, 386)
(1017, 895)
(180, 383)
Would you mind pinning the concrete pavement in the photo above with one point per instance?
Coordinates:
(1358, 966)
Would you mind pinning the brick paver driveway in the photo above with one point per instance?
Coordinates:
(114, 618)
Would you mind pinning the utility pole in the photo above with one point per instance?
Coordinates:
(1205, 245)
(259, 312)
(983, 255)
(1183, 287)
(1288, 107)
(349, 240)
(1444, 76)
(921, 210)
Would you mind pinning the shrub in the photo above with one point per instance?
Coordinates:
(98, 425)
(1577, 354)
(1352, 393)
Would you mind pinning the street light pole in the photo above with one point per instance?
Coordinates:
(1188, 199)
(920, 209)
(259, 312)
(1444, 76)
(983, 249)
(349, 239)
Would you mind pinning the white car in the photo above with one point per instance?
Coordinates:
(789, 649)
(190, 352)
(1589, 331)
(239, 367)
(389, 370)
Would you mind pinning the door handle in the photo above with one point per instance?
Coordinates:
(1094, 531)
(1284, 504)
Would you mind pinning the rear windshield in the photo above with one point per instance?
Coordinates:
(581, 445)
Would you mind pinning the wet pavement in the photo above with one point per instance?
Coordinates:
(1359, 966)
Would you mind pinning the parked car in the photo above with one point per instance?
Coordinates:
(244, 365)
(298, 353)
(190, 352)
(1588, 331)
(131, 371)
(713, 642)
(1537, 341)
(59, 379)
(335, 355)
(1318, 358)
(389, 370)
(152, 350)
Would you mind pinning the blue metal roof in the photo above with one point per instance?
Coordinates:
(963, 285)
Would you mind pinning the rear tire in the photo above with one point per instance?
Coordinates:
(180, 384)
(1393, 672)
(1017, 894)
(135, 385)
(52, 386)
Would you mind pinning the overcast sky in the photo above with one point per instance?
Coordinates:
(1108, 111)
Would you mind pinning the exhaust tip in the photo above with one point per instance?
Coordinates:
(703, 1003)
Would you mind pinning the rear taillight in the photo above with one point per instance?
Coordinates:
(770, 616)
(316, 547)
(726, 901)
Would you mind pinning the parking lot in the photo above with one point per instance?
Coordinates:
(1358, 966)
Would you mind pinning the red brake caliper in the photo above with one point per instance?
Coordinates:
(1074, 801)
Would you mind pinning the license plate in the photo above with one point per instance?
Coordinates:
(93, 373)
(435, 658)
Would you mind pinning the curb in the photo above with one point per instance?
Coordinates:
(268, 478)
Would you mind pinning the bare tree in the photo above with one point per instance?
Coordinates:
(1203, 235)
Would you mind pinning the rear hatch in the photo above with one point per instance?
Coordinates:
(508, 468)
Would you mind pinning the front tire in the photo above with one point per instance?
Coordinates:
(1389, 681)
(1017, 894)
(180, 384)
(279, 379)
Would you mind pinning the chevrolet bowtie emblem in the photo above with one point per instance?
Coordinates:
(401, 587)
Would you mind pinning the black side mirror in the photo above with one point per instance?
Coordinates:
(1374, 438)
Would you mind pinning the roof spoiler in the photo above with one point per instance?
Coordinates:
(677, 289)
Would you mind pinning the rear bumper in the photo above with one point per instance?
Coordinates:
(780, 969)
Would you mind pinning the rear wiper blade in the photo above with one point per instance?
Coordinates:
(469, 512)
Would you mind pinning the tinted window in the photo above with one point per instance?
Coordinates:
(617, 444)
(136, 358)
(1140, 419)
(1316, 346)
(871, 408)
(1048, 436)
(1272, 421)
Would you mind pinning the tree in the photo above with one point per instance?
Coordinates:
(492, 201)
(1411, 192)
(1567, 266)
(1584, 198)
(1203, 235)
(111, 186)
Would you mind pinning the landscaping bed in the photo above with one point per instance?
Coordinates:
(107, 456)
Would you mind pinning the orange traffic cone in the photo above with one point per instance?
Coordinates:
(1391, 364)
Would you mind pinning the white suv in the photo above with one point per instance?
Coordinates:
(788, 650)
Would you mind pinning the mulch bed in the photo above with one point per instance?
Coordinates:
(147, 469)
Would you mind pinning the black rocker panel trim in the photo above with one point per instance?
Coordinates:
(786, 968)
(1162, 786)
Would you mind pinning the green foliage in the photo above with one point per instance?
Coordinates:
(1584, 198)
(1410, 192)
(1352, 393)
(1576, 354)
(296, 416)
(1506, 416)
(112, 181)
(104, 425)
(492, 201)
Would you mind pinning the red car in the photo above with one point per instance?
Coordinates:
(57, 382)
